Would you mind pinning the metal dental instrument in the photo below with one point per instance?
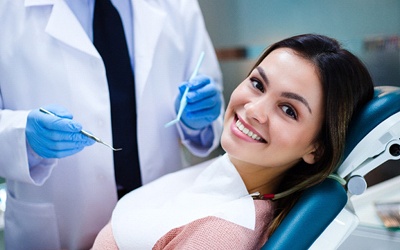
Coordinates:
(84, 132)
(183, 102)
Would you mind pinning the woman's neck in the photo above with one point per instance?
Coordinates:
(258, 178)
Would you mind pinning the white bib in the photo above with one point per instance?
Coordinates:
(145, 215)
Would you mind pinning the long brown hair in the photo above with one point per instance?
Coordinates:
(347, 86)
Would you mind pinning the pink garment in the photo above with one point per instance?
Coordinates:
(105, 239)
(207, 233)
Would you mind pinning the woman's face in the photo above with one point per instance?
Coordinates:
(275, 114)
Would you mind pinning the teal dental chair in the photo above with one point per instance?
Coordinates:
(323, 217)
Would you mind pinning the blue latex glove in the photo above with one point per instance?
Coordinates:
(203, 103)
(55, 136)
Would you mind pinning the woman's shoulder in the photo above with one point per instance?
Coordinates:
(216, 233)
(105, 239)
(264, 209)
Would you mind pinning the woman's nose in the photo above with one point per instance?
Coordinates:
(257, 110)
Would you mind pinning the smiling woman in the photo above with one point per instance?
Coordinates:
(284, 131)
(345, 86)
(281, 101)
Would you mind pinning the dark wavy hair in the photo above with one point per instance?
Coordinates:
(347, 86)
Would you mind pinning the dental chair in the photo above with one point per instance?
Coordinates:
(323, 217)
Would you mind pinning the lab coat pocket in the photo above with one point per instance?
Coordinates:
(30, 225)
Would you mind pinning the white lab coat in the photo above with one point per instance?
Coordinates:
(46, 57)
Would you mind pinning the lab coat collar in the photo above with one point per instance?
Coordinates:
(148, 23)
(29, 3)
(65, 27)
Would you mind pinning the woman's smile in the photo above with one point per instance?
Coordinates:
(246, 131)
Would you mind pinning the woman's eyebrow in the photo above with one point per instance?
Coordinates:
(263, 75)
(297, 97)
(285, 94)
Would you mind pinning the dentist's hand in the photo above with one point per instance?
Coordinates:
(203, 102)
(55, 136)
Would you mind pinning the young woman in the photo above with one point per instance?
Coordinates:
(284, 131)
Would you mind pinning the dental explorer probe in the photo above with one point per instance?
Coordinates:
(83, 132)
(183, 102)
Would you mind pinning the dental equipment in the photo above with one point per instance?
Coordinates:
(84, 132)
(183, 102)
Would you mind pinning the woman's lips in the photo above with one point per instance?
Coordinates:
(248, 132)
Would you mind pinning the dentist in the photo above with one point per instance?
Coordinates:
(61, 186)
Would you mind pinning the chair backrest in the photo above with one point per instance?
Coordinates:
(319, 205)
(315, 210)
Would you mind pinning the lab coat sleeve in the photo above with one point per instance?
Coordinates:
(14, 151)
(198, 40)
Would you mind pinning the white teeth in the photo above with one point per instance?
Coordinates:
(247, 132)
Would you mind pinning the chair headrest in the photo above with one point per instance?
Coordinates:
(385, 103)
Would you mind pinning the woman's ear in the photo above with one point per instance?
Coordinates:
(314, 155)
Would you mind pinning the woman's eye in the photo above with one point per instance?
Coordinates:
(257, 84)
(289, 111)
